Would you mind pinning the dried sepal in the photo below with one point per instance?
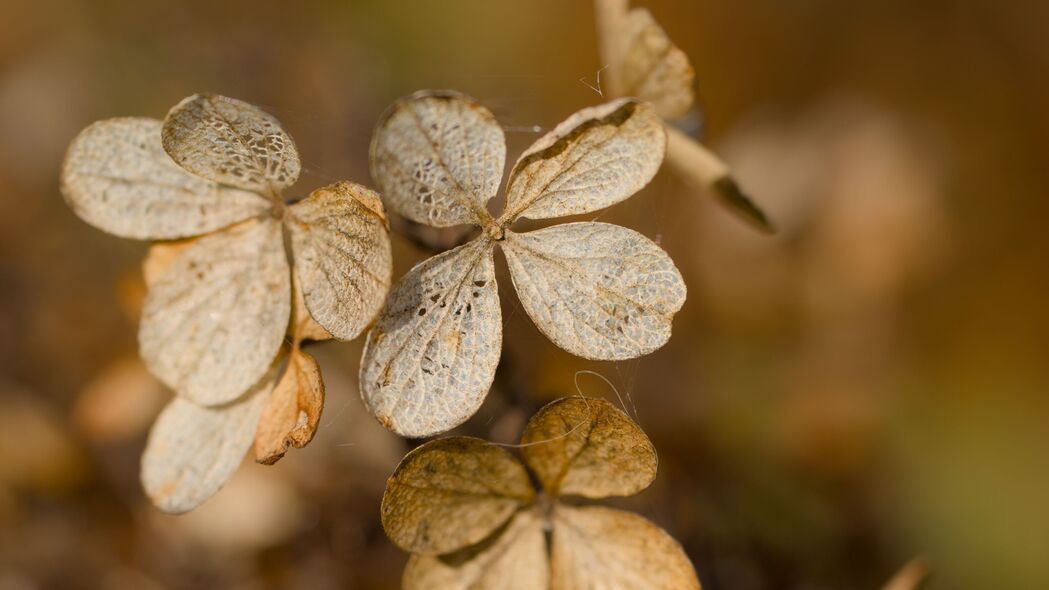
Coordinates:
(192, 450)
(597, 157)
(438, 157)
(342, 256)
(594, 546)
(117, 177)
(431, 357)
(511, 559)
(652, 68)
(214, 320)
(293, 410)
(232, 142)
(597, 290)
(451, 493)
(588, 447)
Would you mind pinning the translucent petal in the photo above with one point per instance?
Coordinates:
(431, 357)
(215, 319)
(232, 142)
(117, 177)
(512, 559)
(193, 450)
(451, 493)
(588, 447)
(293, 411)
(342, 255)
(652, 67)
(597, 547)
(438, 158)
(597, 290)
(597, 157)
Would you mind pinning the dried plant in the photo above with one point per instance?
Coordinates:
(468, 512)
(215, 322)
(643, 62)
(597, 290)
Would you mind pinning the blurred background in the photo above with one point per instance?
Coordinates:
(866, 386)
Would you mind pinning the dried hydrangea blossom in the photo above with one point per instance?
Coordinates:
(467, 511)
(216, 317)
(597, 290)
(643, 62)
(214, 321)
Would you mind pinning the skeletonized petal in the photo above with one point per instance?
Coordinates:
(451, 493)
(601, 548)
(512, 559)
(431, 357)
(342, 256)
(215, 319)
(230, 141)
(588, 447)
(597, 157)
(652, 67)
(438, 157)
(117, 177)
(192, 450)
(293, 411)
(597, 290)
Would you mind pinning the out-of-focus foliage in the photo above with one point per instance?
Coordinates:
(865, 386)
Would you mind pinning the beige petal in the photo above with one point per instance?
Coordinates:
(193, 450)
(597, 157)
(117, 177)
(452, 492)
(438, 157)
(303, 326)
(232, 142)
(700, 167)
(431, 357)
(160, 256)
(597, 290)
(213, 322)
(597, 548)
(512, 559)
(652, 68)
(293, 411)
(588, 447)
(342, 256)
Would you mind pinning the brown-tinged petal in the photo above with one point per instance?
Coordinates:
(303, 326)
(438, 157)
(117, 177)
(431, 357)
(293, 411)
(159, 257)
(230, 141)
(513, 558)
(341, 252)
(588, 447)
(193, 450)
(451, 493)
(215, 319)
(598, 547)
(597, 157)
(652, 68)
(597, 290)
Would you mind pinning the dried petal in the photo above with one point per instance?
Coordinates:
(160, 256)
(117, 177)
(213, 322)
(652, 67)
(431, 357)
(588, 447)
(511, 559)
(595, 158)
(293, 411)
(232, 142)
(451, 493)
(597, 547)
(342, 256)
(303, 326)
(193, 450)
(597, 290)
(438, 157)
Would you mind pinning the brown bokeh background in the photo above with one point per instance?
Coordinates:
(866, 386)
